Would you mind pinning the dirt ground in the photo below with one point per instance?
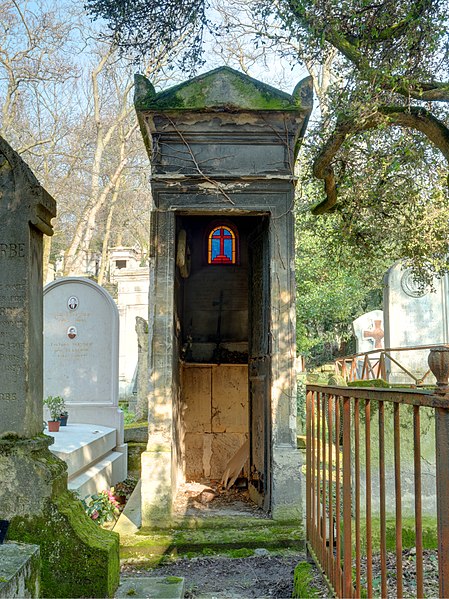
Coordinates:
(215, 577)
(262, 576)
(209, 498)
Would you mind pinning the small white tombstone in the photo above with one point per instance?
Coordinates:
(369, 334)
(132, 301)
(81, 328)
(413, 317)
(369, 331)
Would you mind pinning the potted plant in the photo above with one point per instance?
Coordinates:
(55, 405)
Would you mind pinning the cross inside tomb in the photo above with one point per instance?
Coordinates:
(222, 247)
(377, 334)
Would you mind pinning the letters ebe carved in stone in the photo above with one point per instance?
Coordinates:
(26, 210)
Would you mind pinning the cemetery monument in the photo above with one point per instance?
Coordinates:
(81, 329)
(414, 315)
(221, 317)
(78, 558)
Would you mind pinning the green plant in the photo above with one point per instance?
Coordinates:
(55, 405)
(101, 507)
(128, 416)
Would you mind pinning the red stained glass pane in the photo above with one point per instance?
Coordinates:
(222, 246)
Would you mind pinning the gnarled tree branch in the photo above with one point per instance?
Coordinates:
(414, 118)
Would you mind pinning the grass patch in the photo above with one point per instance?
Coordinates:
(302, 582)
(429, 526)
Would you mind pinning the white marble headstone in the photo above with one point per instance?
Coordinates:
(132, 301)
(81, 330)
(413, 317)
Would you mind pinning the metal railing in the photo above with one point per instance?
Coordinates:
(343, 477)
(378, 363)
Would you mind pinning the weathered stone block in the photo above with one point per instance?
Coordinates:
(79, 559)
(19, 571)
(136, 433)
(156, 486)
(286, 499)
(26, 210)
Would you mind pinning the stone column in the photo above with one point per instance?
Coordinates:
(78, 558)
(142, 368)
(157, 459)
(286, 458)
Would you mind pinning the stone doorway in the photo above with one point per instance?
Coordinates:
(222, 289)
(222, 322)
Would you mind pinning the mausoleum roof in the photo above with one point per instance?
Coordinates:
(222, 89)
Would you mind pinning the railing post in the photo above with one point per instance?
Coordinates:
(439, 365)
(347, 539)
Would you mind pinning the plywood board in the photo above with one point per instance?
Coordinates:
(196, 384)
(194, 456)
(230, 398)
(224, 446)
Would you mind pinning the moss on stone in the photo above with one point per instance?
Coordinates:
(78, 558)
(429, 526)
(337, 379)
(377, 383)
(135, 450)
(211, 535)
(173, 580)
(200, 93)
(136, 424)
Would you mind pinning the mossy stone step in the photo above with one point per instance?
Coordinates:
(149, 546)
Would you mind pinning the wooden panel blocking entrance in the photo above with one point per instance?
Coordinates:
(215, 414)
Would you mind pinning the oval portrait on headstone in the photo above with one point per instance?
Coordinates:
(410, 286)
(72, 332)
(73, 302)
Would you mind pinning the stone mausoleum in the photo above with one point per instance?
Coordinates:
(222, 148)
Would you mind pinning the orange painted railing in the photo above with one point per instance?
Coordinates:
(342, 423)
(376, 363)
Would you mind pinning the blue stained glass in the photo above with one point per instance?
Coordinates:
(215, 247)
(228, 248)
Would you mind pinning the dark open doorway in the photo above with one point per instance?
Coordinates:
(222, 329)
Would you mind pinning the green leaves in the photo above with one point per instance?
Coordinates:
(333, 287)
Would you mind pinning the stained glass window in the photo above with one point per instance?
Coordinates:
(222, 246)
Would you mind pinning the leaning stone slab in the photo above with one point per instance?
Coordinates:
(26, 210)
(19, 571)
(156, 587)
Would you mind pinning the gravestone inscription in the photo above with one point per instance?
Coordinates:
(26, 210)
(81, 327)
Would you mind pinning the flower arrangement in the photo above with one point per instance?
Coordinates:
(102, 507)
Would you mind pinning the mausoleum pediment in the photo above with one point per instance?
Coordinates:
(222, 89)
